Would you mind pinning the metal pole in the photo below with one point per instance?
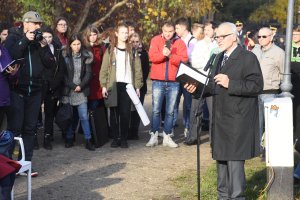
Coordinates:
(286, 85)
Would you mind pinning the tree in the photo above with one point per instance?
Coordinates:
(274, 11)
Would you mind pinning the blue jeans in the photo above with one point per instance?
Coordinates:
(169, 90)
(84, 120)
(187, 104)
(261, 110)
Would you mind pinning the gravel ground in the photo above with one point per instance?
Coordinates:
(135, 173)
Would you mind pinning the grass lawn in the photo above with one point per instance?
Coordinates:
(255, 174)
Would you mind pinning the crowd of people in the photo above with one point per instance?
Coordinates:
(91, 69)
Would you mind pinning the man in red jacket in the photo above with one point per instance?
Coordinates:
(166, 51)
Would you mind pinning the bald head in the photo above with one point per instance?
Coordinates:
(265, 37)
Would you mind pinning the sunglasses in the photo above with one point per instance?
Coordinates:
(263, 36)
(222, 36)
(238, 25)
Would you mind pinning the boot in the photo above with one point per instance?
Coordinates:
(47, 142)
(89, 146)
(36, 145)
(153, 140)
(69, 143)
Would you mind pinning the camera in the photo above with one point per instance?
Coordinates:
(38, 35)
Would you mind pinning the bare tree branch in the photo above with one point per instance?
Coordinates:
(83, 15)
(113, 9)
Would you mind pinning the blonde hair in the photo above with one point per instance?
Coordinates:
(86, 35)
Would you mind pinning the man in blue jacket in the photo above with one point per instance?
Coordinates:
(27, 42)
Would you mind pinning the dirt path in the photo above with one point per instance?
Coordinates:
(119, 174)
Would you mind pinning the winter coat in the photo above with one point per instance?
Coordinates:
(36, 59)
(163, 68)
(4, 86)
(54, 77)
(143, 54)
(235, 124)
(85, 75)
(108, 76)
(95, 88)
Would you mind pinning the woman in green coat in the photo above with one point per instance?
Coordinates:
(120, 67)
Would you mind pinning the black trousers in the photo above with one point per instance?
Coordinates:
(120, 115)
(22, 118)
(231, 179)
(50, 108)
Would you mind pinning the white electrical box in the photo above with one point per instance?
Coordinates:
(279, 132)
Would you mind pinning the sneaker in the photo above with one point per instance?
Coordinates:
(167, 141)
(161, 134)
(185, 132)
(153, 140)
(34, 173)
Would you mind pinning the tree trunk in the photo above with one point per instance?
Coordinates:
(82, 17)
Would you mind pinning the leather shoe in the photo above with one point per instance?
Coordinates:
(190, 142)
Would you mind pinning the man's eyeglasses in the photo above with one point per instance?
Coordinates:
(238, 25)
(263, 36)
(221, 37)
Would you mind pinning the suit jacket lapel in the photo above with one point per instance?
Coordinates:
(233, 56)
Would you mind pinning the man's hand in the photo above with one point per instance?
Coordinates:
(191, 88)
(222, 79)
(77, 89)
(30, 35)
(166, 52)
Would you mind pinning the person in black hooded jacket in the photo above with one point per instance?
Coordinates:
(24, 42)
(52, 90)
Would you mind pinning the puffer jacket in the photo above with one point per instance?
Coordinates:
(36, 59)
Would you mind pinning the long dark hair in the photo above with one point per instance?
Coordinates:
(74, 36)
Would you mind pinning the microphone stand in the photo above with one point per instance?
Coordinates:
(199, 123)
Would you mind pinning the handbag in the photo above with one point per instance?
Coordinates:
(6, 142)
(64, 116)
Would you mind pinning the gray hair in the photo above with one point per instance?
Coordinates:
(266, 28)
(232, 27)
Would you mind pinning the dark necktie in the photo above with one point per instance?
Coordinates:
(225, 58)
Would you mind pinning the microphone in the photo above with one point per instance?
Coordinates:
(210, 62)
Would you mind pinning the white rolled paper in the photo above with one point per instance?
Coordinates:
(137, 103)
